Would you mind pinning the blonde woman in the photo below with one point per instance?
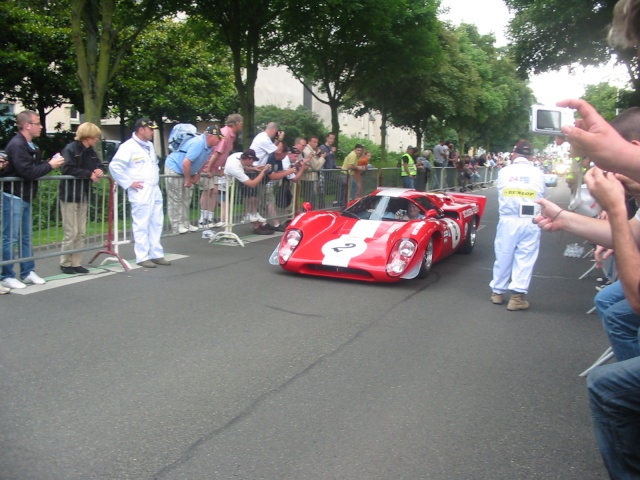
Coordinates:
(82, 162)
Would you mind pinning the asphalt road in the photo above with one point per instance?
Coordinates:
(225, 367)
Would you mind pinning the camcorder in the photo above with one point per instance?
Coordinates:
(548, 120)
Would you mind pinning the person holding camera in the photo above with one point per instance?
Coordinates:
(517, 237)
(284, 168)
(236, 167)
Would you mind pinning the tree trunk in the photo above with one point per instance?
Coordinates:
(335, 121)
(383, 136)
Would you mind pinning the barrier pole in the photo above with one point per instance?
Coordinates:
(108, 250)
(227, 233)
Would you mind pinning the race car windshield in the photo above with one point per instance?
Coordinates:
(384, 208)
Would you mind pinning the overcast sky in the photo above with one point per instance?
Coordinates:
(492, 16)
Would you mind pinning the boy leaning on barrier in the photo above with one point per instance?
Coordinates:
(25, 162)
(82, 162)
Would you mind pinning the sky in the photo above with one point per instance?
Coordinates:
(492, 16)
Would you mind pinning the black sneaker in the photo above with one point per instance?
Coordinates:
(280, 228)
(262, 231)
(68, 270)
(80, 269)
(269, 227)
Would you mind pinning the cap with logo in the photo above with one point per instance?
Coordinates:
(214, 130)
(144, 122)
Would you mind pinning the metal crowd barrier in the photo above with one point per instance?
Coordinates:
(46, 229)
(109, 218)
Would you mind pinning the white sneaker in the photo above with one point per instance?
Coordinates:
(256, 217)
(193, 228)
(245, 218)
(34, 279)
(12, 283)
(4, 290)
(219, 225)
(182, 230)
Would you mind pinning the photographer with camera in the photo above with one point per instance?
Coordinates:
(284, 167)
(236, 167)
(517, 238)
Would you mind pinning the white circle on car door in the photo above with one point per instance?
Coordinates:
(454, 229)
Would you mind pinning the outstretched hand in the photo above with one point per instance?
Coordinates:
(550, 219)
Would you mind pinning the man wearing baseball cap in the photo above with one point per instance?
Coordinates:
(135, 168)
(235, 167)
(183, 168)
(517, 237)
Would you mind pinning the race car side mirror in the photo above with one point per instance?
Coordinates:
(307, 206)
(432, 213)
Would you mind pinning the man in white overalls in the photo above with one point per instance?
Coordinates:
(517, 237)
(135, 168)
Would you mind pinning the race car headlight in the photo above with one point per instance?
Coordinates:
(400, 257)
(289, 243)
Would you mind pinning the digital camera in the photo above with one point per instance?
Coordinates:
(547, 120)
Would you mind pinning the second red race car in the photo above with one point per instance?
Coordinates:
(386, 236)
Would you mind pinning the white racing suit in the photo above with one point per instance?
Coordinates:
(136, 161)
(517, 237)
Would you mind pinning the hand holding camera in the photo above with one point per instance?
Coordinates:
(549, 120)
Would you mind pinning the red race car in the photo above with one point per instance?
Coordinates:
(388, 235)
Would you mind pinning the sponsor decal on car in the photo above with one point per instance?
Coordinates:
(470, 211)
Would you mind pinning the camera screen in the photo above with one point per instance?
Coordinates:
(528, 209)
(548, 120)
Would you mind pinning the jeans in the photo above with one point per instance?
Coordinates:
(407, 182)
(614, 399)
(620, 322)
(16, 232)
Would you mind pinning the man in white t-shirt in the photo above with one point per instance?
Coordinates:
(266, 143)
(235, 167)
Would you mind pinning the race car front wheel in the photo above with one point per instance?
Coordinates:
(427, 260)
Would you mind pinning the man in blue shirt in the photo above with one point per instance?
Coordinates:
(182, 168)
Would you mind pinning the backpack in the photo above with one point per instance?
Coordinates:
(179, 134)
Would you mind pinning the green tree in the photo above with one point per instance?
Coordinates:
(605, 98)
(405, 65)
(298, 122)
(327, 44)
(244, 26)
(36, 58)
(549, 34)
(103, 33)
(146, 83)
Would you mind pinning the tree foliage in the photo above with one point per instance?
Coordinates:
(607, 99)
(549, 34)
(329, 44)
(244, 26)
(186, 84)
(298, 122)
(36, 58)
(103, 33)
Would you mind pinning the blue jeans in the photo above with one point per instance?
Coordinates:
(620, 322)
(407, 181)
(614, 399)
(16, 232)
